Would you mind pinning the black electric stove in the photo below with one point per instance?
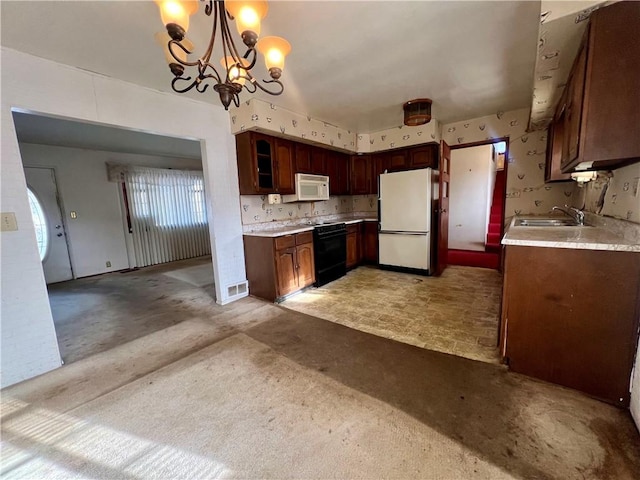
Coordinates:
(330, 251)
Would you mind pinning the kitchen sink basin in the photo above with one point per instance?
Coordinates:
(546, 222)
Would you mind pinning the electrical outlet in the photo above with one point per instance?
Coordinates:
(9, 223)
(108, 264)
(74, 215)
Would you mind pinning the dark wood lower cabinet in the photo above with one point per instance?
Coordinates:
(571, 317)
(279, 266)
(354, 256)
(370, 242)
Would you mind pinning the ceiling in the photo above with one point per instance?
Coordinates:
(45, 130)
(352, 64)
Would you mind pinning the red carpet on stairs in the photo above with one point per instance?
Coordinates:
(490, 258)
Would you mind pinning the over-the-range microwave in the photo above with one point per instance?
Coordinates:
(309, 188)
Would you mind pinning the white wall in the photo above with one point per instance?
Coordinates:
(97, 235)
(28, 340)
(472, 175)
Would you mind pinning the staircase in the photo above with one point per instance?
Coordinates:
(490, 258)
(495, 218)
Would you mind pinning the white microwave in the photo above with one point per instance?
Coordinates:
(309, 188)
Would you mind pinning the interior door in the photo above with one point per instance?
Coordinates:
(56, 263)
(443, 209)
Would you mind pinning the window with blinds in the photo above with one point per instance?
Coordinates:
(167, 211)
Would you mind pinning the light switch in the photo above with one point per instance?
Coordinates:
(9, 222)
(74, 215)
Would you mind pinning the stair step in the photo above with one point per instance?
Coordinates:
(492, 248)
(493, 238)
(495, 218)
(494, 228)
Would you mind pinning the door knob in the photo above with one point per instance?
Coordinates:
(59, 235)
(58, 227)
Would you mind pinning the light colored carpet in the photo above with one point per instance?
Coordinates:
(198, 276)
(199, 417)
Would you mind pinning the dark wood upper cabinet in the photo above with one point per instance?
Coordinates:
(555, 141)
(360, 175)
(425, 156)
(602, 117)
(397, 160)
(256, 163)
(302, 158)
(379, 163)
(284, 166)
(318, 166)
(337, 167)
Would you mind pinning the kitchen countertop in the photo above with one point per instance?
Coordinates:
(304, 227)
(583, 238)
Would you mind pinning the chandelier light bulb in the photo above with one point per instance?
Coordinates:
(233, 72)
(274, 49)
(247, 15)
(175, 15)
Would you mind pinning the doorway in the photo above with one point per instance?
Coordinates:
(76, 173)
(48, 219)
(478, 191)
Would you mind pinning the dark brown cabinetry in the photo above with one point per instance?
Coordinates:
(602, 95)
(370, 242)
(303, 158)
(555, 142)
(360, 175)
(265, 164)
(279, 266)
(571, 317)
(337, 168)
(354, 249)
(268, 164)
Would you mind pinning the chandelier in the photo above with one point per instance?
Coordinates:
(234, 72)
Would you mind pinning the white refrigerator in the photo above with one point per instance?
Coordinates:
(405, 220)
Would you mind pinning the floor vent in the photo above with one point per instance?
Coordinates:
(239, 290)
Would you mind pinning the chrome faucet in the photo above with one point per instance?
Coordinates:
(576, 214)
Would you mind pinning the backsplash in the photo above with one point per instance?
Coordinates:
(526, 191)
(256, 209)
(613, 194)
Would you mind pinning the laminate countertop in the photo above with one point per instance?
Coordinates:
(579, 237)
(304, 227)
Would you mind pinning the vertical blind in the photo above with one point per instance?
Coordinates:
(168, 214)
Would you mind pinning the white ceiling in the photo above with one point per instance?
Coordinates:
(45, 130)
(353, 64)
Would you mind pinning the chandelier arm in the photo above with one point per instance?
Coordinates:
(214, 28)
(184, 79)
(208, 8)
(252, 82)
(184, 49)
(270, 92)
(202, 75)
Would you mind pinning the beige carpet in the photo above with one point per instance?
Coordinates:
(258, 391)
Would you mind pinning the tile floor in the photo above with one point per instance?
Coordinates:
(456, 313)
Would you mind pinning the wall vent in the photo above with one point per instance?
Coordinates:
(238, 290)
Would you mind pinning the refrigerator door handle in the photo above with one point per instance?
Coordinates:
(383, 232)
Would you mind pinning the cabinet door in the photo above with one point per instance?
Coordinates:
(573, 115)
(423, 157)
(342, 167)
(284, 166)
(370, 242)
(360, 178)
(331, 163)
(318, 166)
(555, 138)
(303, 158)
(352, 249)
(286, 271)
(263, 154)
(306, 265)
(379, 163)
(398, 160)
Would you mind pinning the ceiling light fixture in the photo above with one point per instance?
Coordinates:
(236, 68)
(417, 112)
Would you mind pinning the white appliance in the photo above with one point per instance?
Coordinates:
(405, 220)
(309, 188)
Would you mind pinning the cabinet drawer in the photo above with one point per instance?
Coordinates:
(304, 237)
(286, 241)
(353, 228)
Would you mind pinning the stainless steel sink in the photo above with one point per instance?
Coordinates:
(545, 222)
